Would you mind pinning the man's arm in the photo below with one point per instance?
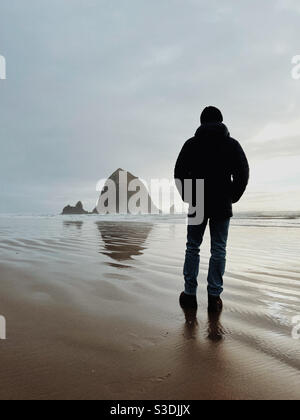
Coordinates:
(182, 169)
(240, 172)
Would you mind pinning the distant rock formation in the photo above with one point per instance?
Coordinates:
(121, 180)
(78, 209)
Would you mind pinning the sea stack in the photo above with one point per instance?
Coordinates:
(122, 180)
(78, 209)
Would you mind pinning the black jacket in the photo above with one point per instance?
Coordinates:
(217, 158)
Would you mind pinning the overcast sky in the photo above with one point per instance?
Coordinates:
(94, 85)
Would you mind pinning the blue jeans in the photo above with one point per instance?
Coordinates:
(219, 235)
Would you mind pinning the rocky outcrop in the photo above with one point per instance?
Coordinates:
(78, 209)
(122, 180)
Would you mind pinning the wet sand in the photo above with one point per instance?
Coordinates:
(92, 313)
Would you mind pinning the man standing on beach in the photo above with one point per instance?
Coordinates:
(218, 159)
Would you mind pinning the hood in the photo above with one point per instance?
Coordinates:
(215, 130)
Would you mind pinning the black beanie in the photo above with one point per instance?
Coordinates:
(211, 114)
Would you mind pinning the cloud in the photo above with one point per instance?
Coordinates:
(278, 130)
(291, 5)
(97, 85)
(162, 56)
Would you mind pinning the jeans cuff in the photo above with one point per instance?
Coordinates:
(190, 292)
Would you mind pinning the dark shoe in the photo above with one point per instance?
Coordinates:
(215, 304)
(188, 301)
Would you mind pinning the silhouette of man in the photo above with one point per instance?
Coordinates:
(218, 159)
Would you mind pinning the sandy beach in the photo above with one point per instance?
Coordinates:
(92, 311)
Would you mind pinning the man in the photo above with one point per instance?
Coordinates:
(218, 159)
